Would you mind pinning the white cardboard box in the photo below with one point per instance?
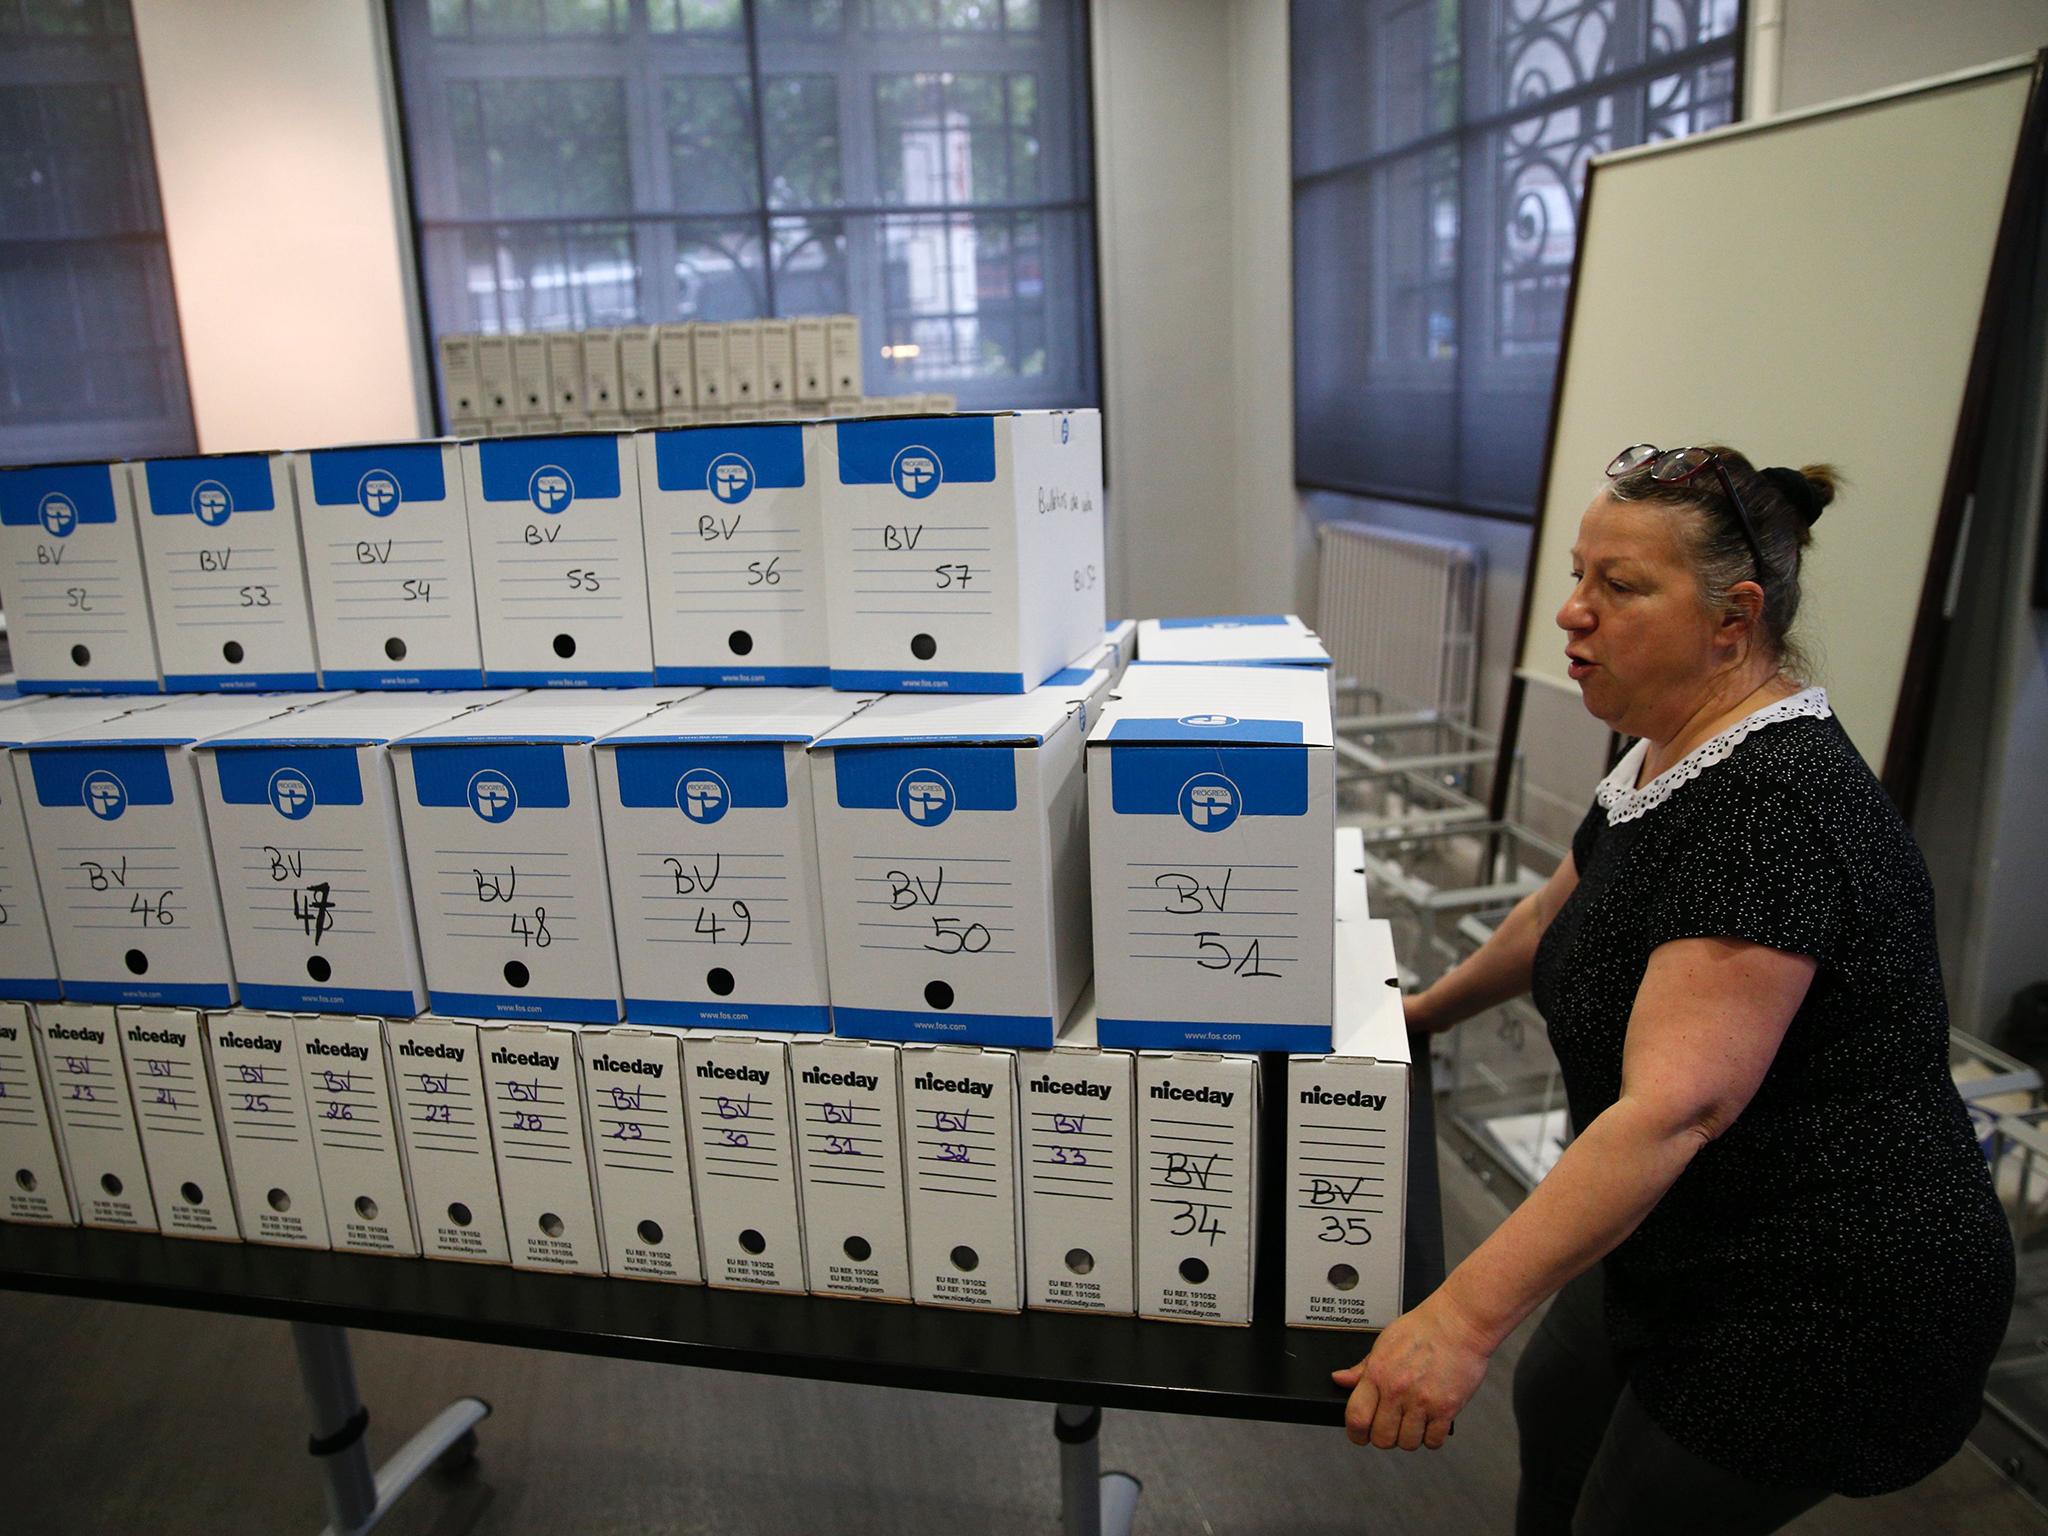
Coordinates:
(1233, 639)
(847, 1101)
(387, 555)
(778, 364)
(601, 373)
(116, 819)
(33, 1179)
(171, 1088)
(543, 1155)
(355, 1135)
(498, 394)
(1211, 809)
(712, 847)
(443, 1111)
(96, 1131)
(743, 364)
(1347, 1146)
(460, 385)
(953, 858)
(813, 370)
(28, 961)
(676, 368)
(561, 575)
(965, 553)
(1123, 634)
(1075, 1118)
(960, 1150)
(708, 365)
(535, 396)
(639, 383)
(735, 554)
(843, 371)
(71, 580)
(303, 814)
(1198, 1138)
(267, 1128)
(640, 1145)
(226, 572)
(743, 1160)
(505, 852)
(565, 374)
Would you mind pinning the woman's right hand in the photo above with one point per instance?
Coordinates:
(1424, 1017)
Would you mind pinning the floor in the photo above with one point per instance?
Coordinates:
(120, 1418)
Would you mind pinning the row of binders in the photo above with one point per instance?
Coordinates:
(1075, 1178)
(904, 868)
(918, 553)
(689, 374)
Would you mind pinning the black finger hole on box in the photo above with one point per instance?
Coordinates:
(858, 1249)
(111, 1183)
(1394, 982)
(965, 1259)
(460, 1214)
(753, 1241)
(366, 1208)
(318, 968)
(395, 648)
(1344, 1277)
(233, 652)
(565, 646)
(81, 655)
(192, 1193)
(650, 1233)
(516, 973)
(552, 1225)
(719, 980)
(280, 1201)
(740, 642)
(26, 1178)
(136, 961)
(1194, 1271)
(937, 994)
(923, 647)
(1080, 1261)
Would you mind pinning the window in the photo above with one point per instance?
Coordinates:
(1440, 152)
(90, 363)
(925, 164)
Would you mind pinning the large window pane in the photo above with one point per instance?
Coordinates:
(710, 125)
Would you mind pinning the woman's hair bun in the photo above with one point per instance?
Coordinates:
(1809, 489)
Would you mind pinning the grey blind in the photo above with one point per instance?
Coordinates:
(925, 164)
(1440, 151)
(90, 363)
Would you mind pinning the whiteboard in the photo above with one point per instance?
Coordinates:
(1809, 290)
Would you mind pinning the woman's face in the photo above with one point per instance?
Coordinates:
(1642, 646)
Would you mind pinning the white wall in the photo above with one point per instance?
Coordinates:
(284, 213)
(1837, 48)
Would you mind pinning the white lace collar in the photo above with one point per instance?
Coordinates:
(1622, 801)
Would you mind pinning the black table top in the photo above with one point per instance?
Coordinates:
(1265, 1371)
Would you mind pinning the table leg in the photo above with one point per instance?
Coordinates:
(357, 1497)
(1092, 1502)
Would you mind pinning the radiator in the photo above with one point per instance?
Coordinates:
(1399, 613)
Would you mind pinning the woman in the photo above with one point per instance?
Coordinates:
(1781, 1271)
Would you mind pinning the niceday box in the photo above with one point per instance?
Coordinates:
(953, 857)
(34, 1188)
(505, 852)
(1075, 1121)
(1347, 1147)
(355, 1135)
(227, 572)
(561, 574)
(267, 1128)
(543, 1155)
(28, 962)
(1197, 1182)
(96, 1131)
(850, 1154)
(743, 1159)
(1211, 809)
(960, 1150)
(735, 554)
(303, 814)
(174, 1113)
(640, 1147)
(387, 555)
(712, 847)
(115, 818)
(963, 553)
(443, 1113)
(71, 580)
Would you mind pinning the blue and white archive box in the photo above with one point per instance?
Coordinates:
(71, 581)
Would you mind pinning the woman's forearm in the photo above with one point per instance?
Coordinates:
(1603, 1186)
(1498, 970)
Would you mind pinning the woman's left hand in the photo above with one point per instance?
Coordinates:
(1423, 1369)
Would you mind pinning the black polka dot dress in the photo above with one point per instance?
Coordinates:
(1818, 1297)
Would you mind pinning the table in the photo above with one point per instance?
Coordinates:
(1082, 1364)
